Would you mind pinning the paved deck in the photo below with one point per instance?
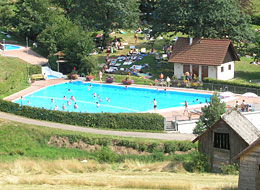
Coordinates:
(32, 57)
(162, 136)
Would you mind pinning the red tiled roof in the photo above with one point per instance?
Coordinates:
(202, 51)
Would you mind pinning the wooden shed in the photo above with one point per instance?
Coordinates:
(249, 170)
(230, 135)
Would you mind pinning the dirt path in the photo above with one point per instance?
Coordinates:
(162, 136)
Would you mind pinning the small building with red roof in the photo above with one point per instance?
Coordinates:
(212, 58)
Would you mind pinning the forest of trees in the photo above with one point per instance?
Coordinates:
(59, 25)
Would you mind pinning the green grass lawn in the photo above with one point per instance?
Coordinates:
(19, 141)
(245, 71)
(13, 75)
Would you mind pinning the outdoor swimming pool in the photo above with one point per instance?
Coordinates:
(121, 99)
(52, 77)
(11, 47)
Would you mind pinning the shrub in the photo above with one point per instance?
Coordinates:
(89, 78)
(196, 163)
(139, 121)
(230, 169)
(127, 81)
(35, 69)
(234, 83)
(110, 79)
(158, 156)
(106, 155)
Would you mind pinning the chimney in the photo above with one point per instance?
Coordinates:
(191, 41)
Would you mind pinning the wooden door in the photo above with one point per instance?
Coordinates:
(186, 68)
(204, 71)
(195, 70)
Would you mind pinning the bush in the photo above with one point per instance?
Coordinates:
(230, 169)
(234, 83)
(196, 163)
(106, 155)
(89, 78)
(35, 69)
(128, 121)
(110, 79)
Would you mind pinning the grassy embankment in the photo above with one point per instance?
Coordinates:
(30, 160)
(14, 75)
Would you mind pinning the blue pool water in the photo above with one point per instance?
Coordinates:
(11, 47)
(52, 77)
(120, 99)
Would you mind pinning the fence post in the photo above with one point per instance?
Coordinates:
(164, 124)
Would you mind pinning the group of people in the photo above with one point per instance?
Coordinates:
(243, 106)
(168, 81)
(72, 98)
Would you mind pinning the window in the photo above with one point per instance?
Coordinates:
(229, 67)
(222, 69)
(221, 140)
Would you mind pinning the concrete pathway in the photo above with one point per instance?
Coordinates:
(162, 136)
(32, 57)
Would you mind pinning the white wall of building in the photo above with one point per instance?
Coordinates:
(186, 126)
(227, 74)
(212, 72)
(178, 70)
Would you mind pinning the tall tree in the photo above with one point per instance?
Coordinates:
(106, 15)
(210, 114)
(203, 18)
(6, 13)
(33, 16)
(147, 8)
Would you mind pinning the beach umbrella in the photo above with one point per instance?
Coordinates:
(226, 94)
(250, 95)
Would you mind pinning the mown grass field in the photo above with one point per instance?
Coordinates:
(72, 174)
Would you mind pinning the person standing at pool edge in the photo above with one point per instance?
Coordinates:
(186, 107)
(100, 76)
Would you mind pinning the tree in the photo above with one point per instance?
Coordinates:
(32, 16)
(6, 14)
(147, 8)
(203, 18)
(106, 15)
(210, 114)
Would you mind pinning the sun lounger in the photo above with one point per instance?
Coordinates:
(143, 50)
(127, 63)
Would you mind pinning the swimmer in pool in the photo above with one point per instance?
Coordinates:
(72, 98)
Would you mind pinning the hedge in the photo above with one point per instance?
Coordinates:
(128, 121)
(165, 146)
(234, 83)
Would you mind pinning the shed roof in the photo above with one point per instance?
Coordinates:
(239, 123)
(247, 149)
(202, 51)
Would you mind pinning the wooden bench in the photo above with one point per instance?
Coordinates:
(37, 77)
